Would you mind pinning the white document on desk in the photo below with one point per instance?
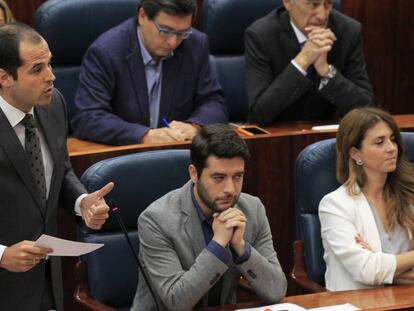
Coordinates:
(276, 307)
(293, 307)
(63, 247)
(343, 307)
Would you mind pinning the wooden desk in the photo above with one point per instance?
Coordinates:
(269, 175)
(387, 298)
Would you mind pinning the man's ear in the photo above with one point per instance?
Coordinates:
(193, 173)
(5, 78)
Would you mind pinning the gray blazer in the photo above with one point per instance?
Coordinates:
(181, 269)
(21, 217)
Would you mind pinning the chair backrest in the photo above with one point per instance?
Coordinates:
(314, 178)
(224, 22)
(139, 180)
(70, 27)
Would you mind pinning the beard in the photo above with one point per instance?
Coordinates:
(211, 202)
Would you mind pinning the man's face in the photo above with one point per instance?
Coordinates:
(308, 13)
(157, 44)
(34, 83)
(219, 186)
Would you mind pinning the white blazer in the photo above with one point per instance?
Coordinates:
(348, 265)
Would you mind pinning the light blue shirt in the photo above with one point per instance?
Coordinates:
(153, 74)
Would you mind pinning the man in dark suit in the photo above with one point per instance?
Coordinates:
(144, 70)
(35, 173)
(304, 61)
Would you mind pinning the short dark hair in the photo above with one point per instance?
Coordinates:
(219, 140)
(171, 7)
(11, 35)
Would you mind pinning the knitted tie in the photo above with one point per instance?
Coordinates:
(34, 153)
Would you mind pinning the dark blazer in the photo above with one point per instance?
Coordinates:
(111, 103)
(278, 91)
(20, 214)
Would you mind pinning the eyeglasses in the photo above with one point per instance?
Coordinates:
(168, 33)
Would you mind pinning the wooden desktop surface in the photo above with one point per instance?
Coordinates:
(269, 175)
(386, 298)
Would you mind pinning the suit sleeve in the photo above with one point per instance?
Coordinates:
(268, 95)
(338, 228)
(177, 288)
(262, 269)
(350, 87)
(94, 118)
(209, 101)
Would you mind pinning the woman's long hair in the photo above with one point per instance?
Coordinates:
(8, 15)
(399, 187)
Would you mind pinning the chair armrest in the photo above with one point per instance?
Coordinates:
(299, 274)
(82, 293)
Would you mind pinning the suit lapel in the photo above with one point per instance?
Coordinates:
(288, 36)
(137, 74)
(15, 152)
(367, 217)
(170, 78)
(192, 224)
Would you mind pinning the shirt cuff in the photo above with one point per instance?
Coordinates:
(219, 251)
(77, 204)
(2, 248)
(299, 68)
(246, 255)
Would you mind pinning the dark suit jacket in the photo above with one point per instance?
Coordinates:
(20, 214)
(111, 103)
(278, 91)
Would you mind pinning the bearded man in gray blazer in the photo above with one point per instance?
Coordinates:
(29, 197)
(196, 241)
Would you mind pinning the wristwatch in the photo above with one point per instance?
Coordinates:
(331, 74)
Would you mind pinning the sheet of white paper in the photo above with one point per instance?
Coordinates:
(277, 307)
(344, 307)
(63, 247)
(325, 127)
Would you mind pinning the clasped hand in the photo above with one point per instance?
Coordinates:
(315, 51)
(228, 228)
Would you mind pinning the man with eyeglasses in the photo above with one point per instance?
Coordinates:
(148, 80)
(304, 61)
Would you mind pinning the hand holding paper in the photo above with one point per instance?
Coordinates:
(63, 247)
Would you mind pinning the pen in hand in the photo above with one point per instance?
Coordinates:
(165, 122)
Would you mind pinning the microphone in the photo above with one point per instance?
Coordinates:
(114, 208)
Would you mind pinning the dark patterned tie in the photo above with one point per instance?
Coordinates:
(34, 153)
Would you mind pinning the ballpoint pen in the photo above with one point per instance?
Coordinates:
(165, 122)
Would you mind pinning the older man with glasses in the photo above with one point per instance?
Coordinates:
(148, 80)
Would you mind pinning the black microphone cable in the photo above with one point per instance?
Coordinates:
(114, 208)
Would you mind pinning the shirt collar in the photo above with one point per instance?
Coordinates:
(14, 115)
(146, 56)
(299, 34)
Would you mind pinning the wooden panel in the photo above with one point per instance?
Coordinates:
(388, 33)
(24, 10)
